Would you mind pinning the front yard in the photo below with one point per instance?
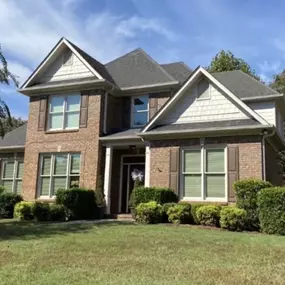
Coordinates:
(114, 253)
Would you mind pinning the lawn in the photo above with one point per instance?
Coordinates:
(115, 253)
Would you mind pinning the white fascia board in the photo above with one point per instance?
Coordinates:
(262, 98)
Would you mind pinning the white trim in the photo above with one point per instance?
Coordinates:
(147, 166)
(107, 178)
(262, 98)
(190, 81)
(139, 111)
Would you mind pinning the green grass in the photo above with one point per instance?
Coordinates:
(113, 253)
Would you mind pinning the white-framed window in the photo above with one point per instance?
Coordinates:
(12, 174)
(64, 112)
(58, 171)
(140, 109)
(203, 175)
(67, 58)
(203, 89)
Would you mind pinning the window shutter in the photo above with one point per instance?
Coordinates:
(152, 107)
(84, 110)
(42, 113)
(126, 111)
(233, 171)
(174, 170)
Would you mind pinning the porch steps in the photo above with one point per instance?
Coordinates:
(124, 217)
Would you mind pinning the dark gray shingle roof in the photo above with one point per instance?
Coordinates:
(178, 70)
(126, 134)
(243, 85)
(137, 69)
(16, 138)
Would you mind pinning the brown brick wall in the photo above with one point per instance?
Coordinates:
(85, 141)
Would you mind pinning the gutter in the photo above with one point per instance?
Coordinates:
(12, 147)
(261, 98)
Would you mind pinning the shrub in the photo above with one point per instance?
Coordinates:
(246, 194)
(41, 211)
(271, 204)
(149, 213)
(165, 208)
(7, 204)
(23, 211)
(2, 189)
(194, 208)
(79, 202)
(146, 194)
(209, 215)
(57, 212)
(232, 218)
(180, 214)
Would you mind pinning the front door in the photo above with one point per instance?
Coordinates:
(131, 167)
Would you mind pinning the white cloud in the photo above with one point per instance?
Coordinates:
(20, 71)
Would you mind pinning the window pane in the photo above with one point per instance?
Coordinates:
(60, 164)
(75, 163)
(74, 182)
(59, 183)
(20, 171)
(72, 120)
(192, 185)
(56, 121)
(140, 119)
(8, 169)
(215, 160)
(215, 186)
(46, 165)
(73, 103)
(8, 185)
(18, 187)
(45, 186)
(56, 104)
(192, 161)
(140, 103)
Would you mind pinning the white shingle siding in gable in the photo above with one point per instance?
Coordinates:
(188, 109)
(58, 71)
(266, 110)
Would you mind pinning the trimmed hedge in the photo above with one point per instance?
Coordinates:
(41, 211)
(2, 189)
(246, 194)
(79, 202)
(7, 204)
(23, 211)
(149, 213)
(271, 203)
(165, 208)
(146, 194)
(57, 213)
(194, 209)
(232, 218)
(180, 214)
(209, 215)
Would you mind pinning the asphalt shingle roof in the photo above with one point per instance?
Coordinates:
(178, 70)
(16, 138)
(129, 133)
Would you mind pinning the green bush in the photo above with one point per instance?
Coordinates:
(232, 218)
(7, 204)
(79, 202)
(271, 204)
(246, 195)
(57, 212)
(209, 215)
(165, 208)
(180, 214)
(2, 189)
(194, 208)
(146, 194)
(41, 211)
(149, 213)
(23, 211)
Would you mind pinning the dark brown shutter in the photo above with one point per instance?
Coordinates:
(42, 113)
(84, 110)
(152, 107)
(174, 170)
(126, 109)
(233, 170)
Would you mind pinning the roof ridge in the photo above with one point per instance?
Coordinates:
(124, 55)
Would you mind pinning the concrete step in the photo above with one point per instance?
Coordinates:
(124, 217)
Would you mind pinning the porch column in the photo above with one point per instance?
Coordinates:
(147, 167)
(107, 178)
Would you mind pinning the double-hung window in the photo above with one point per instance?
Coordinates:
(139, 111)
(204, 174)
(64, 112)
(58, 171)
(12, 173)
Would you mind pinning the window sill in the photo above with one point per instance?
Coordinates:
(61, 131)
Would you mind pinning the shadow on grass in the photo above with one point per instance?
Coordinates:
(12, 229)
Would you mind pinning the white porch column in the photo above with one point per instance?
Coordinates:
(147, 167)
(107, 178)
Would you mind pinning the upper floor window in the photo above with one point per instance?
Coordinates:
(139, 111)
(64, 112)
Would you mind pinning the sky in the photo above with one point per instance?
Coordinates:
(193, 31)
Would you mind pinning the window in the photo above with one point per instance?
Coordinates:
(67, 58)
(64, 112)
(203, 89)
(12, 173)
(57, 171)
(203, 174)
(139, 111)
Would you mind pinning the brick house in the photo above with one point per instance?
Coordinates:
(192, 131)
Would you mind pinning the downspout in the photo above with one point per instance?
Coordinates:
(265, 135)
(105, 112)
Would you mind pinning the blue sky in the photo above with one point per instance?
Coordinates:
(192, 31)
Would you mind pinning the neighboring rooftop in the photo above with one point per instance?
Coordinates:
(14, 139)
(178, 70)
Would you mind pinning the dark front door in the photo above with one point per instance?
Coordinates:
(129, 170)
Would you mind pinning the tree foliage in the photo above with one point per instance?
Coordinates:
(278, 82)
(226, 61)
(12, 124)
